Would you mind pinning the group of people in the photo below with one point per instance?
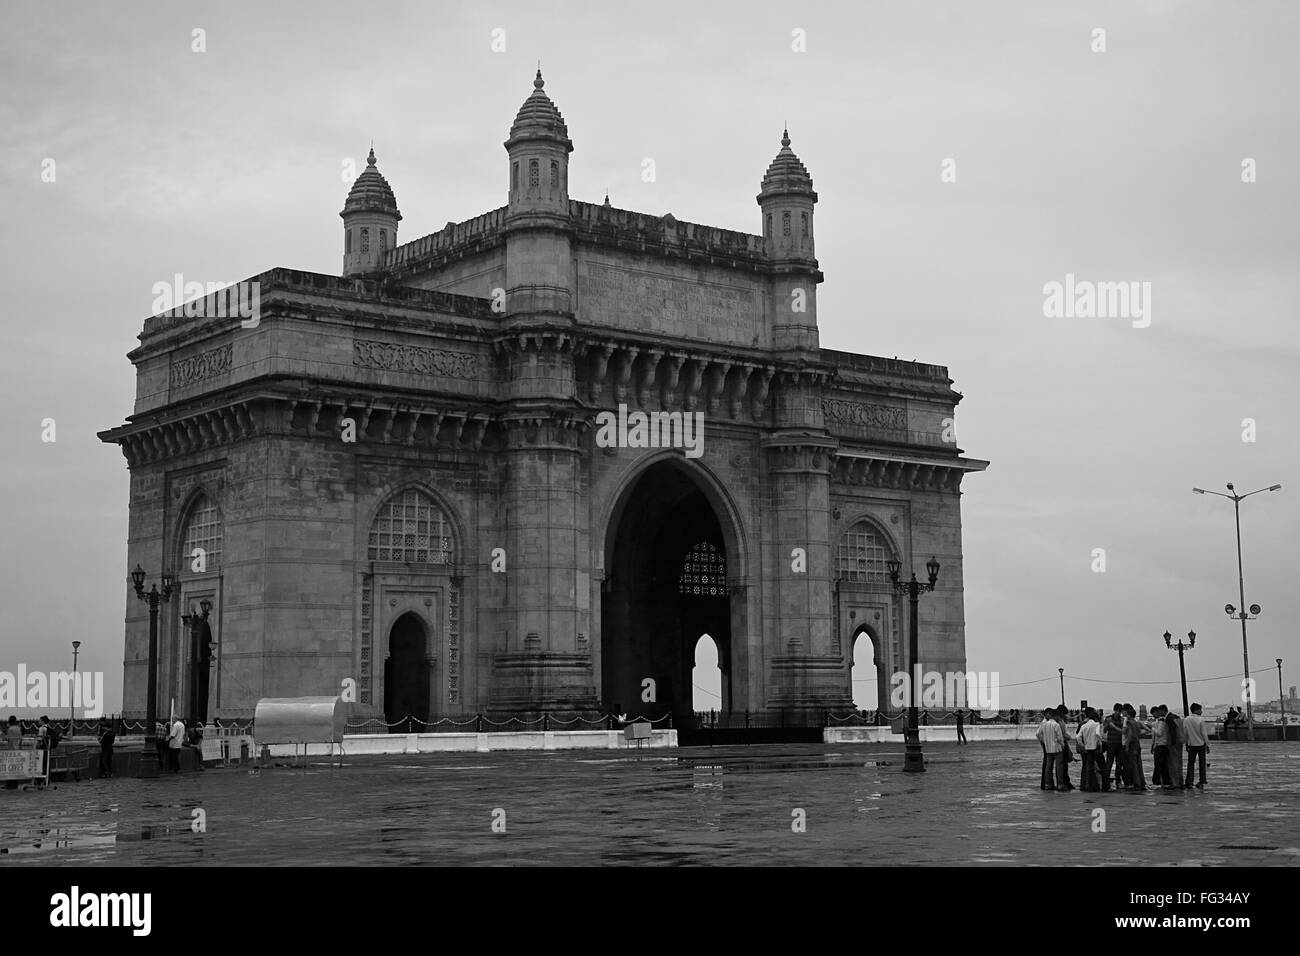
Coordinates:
(172, 736)
(1111, 749)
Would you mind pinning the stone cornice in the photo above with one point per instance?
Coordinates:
(902, 473)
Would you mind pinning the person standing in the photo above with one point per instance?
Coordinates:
(1198, 745)
(1159, 748)
(13, 734)
(175, 740)
(1063, 758)
(1049, 738)
(1133, 748)
(1090, 778)
(1176, 742)
(961, 734)
(106, 738)
(1113, 730)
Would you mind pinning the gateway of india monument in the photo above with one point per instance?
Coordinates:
(390, 480)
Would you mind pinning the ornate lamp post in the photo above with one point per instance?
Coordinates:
(913, 761)
(1182, 671)
(72, 704)
(1241, 591)
(199, 660)
(153, 597)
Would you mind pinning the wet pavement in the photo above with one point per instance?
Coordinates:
(976, 804)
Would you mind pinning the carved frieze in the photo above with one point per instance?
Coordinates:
(884, 417)
(196, 368)
(392, 357)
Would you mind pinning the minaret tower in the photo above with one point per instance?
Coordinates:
(787, 200)
(370, 220)
(537, 214)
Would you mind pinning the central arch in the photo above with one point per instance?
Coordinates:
(670, 563)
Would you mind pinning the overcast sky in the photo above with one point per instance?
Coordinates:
(1117, 166)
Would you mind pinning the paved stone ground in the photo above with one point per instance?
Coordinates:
(977, 804)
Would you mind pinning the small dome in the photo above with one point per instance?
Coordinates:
(371, 192)
(539, 119)
(786, 174)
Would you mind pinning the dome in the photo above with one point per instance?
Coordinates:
(539, 119)
(786, 174)
(371, 192)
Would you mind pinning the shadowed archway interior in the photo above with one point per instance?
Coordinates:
(666, 584)
(406, 672)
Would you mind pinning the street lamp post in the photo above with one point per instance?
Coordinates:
(153, 597)
(913, 760)
(1182, 670)
(1281, 700)
(1241, 591)
(1061, 671)
(72, 704)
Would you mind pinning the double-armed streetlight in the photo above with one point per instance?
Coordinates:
(1182, 671)
(153, 597)
(1241, 591)
(913, 760)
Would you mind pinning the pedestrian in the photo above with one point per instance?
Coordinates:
(1198, 745)
(1049, 738)
(1064, 758)
(1176, 741)
(1113, 745)
(1159, 747)
(195, 741)
(1133, 748)
(106, 738)
(174, 741)
(961, 734)
(1091, 778)
(13, 734)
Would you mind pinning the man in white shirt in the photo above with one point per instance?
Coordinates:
(174, 741)
(1198, 745)
(1090, 738)
(1048, 736)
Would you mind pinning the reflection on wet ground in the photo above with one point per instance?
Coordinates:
(976, 804)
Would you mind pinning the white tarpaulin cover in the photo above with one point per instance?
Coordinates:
(299, 720)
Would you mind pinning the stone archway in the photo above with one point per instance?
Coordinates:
(666, 583)
(406, 674)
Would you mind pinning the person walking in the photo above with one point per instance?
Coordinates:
(175, 740)
(107, 736)
(961, 734)
(1133, 748)
(1049, 738)
(1198, 745)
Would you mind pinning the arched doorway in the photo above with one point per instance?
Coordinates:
(865, 668)
(665, 586)
(706, 676)
(406, 675)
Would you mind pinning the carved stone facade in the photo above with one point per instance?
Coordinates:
(402, 469)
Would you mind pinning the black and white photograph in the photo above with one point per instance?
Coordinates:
(853, 435)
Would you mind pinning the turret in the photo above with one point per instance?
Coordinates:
(787, 198)
(370, 219)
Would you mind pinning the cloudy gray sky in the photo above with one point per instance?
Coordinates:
(1115, 166)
